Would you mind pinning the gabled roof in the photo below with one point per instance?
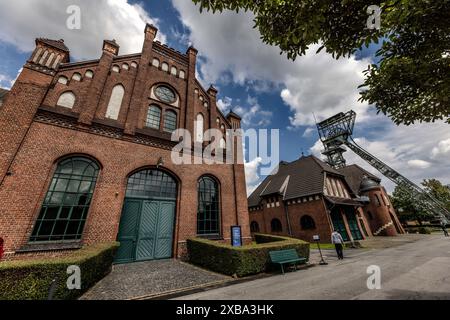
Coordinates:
(305, 177)
(58, 44)
(233, 114)
(354, 175)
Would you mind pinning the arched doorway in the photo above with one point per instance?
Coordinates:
(148, 217)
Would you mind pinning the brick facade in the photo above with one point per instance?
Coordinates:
(380, 213)
(37, 134)
(310, 189)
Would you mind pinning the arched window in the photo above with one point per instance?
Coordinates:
(275, 226)
(199, 129)
(66, 204)
(115, 102)
(89, 74)
(208, 213)
(57, 60)
(155, 63)
(67, 100)
(125, 66)
(165, 67)
(116, 68)
(377, 200)
(170, 121)
(44, 56)
(154, 117)
(182, 74)
(254, 227)
(134, 64)
(165, 94)
(76, 76)
(50, 59)
(307, 223)
(63, 80)
(37, 55)
(174, 71)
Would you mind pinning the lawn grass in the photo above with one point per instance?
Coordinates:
(324, 246)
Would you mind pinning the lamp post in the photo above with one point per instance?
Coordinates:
(322, 261)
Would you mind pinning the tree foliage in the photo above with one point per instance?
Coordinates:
(410, 207)
(410, 83)
(439, 191)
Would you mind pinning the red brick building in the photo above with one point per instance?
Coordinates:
(307, 197)
(378, 210)
(85, 155)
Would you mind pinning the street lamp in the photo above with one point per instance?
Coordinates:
(322, 261)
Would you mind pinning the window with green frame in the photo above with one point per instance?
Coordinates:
(208, 214)
(66, 204)
(154, 117)
(170, 121)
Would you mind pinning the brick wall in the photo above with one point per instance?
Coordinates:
(30, 148)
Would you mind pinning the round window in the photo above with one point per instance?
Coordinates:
(165, 94)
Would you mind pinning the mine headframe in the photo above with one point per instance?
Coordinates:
(334, 133)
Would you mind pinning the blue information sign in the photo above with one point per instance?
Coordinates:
(236, 236)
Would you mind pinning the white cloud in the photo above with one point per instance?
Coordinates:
(21, 21)
(419, 164)
(251, 174)
(309, 132)
(410, 150)
(441, 150)
(5, 81)
(313, 83)
(225, 104)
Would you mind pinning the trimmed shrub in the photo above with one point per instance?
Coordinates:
(424, 230)
(241, 261)
(31, 279)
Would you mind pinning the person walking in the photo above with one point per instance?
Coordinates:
(444, 228)
(338, 242)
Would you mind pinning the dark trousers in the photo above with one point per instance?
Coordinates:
(339, 250)
(445, 232)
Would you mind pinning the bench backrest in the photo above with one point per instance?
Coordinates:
(283, 255)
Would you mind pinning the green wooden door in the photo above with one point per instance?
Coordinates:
(353, 225)
(127, 231)
(146, 230)
(338, 224)
(164, 234)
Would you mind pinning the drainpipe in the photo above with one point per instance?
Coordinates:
(286, 211)
(235, 195)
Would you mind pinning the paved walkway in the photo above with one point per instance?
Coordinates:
(147, 279)
(413, 267)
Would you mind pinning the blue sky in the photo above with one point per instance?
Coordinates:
(268, 90)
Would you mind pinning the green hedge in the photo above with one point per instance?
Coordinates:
(30, 279)
(241, 261)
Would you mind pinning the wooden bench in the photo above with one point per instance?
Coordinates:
(283, 257)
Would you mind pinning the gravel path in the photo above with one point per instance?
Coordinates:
(135, 280)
